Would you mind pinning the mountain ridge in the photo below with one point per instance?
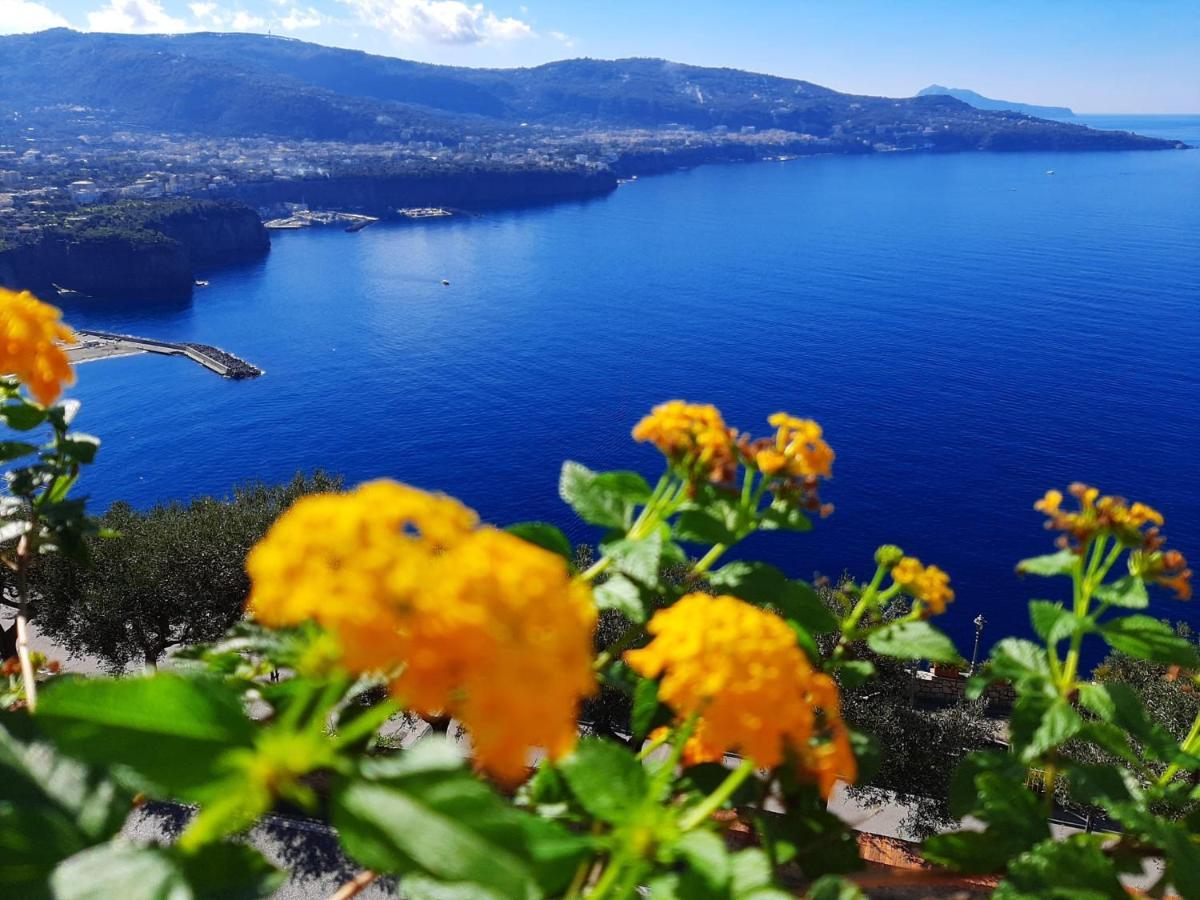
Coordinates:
(256, 85)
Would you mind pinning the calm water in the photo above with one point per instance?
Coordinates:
(969, 330)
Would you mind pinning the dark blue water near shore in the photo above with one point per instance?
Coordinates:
(969, 329)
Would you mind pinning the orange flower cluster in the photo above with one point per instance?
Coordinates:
(797, 457)
(1134, 525)
(469, 621)
(31, 335)
(693, 437)
(929, 584)
(739, 669)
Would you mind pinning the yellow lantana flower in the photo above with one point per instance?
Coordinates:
(692, 436)
(31, 335)
(469, 622)
(739, 669)
(799, 449)
(929, 584)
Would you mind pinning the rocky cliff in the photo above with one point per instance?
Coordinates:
(134, 249)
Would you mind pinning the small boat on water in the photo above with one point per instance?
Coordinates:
(1049, 171)
(445, 282)
(66, 291)
(200, 282)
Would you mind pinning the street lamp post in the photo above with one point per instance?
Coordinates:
(980, 621)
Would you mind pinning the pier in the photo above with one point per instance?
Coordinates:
(94, 345)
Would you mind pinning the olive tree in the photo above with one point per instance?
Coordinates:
(168, 576)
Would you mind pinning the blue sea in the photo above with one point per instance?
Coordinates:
(970, 330)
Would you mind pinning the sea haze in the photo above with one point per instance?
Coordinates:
(970, 330)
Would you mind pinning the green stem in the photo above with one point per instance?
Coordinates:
(596, 568)
(717, 798)
(28, 676)
(367, 723)
(709, 558)
(607, 880)
(865, 602)
(1189, 745)
(662, 778)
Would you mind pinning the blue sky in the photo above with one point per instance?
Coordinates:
(1092, 55)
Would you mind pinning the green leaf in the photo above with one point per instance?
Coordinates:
(703, 526)
(1056, 724)
(543, 535)
(424, 813)
(1095, 697)
(169, 729)
(708, 857)
(750, 870)
(577, 486)
(1128, 592)
(81, 447)
(1101, 785)
(783, 516)
(852, 672)
(1061, 563)
(640, 559)
(606, 779)
(1072, 869)
(1019, 661)
(800, 603)
(10, 450)
(217, 872)
(753, 582)
(1148, 638)
(23, 416)
(867, 753)
(51, 807)
(629, 486)
(913, 640)
(646, 708)
(1051, 622)
(619, 593)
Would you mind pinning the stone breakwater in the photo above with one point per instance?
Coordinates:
(95, 345)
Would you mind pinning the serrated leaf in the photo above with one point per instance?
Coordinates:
(22, 416)
(913, 640)
(783, 516)
(1075, 867)
(10, 450)
(754, 582)
(1051, 622)
(852, 672)
(749, 870)
(1019, 661)
(623, 595)
(577, 486)
(217, 872)
(544, 535)
(800, 603)
(169, 729)
(1061, 563)
(1128, 592)
(606, 779)
(1148, 638)
(640, 559)
(703, 526)
(426, 814)
(708, 857)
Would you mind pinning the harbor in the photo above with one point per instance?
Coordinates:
(95, 345)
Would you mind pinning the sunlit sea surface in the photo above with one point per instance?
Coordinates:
(969, 328)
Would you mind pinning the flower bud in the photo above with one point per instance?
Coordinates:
(888, 555)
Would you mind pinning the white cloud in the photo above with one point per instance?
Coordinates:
(23, 16)
(202, 10)
(565, 39)
(244, 21)
(440, 21)
(135, 17)
(299, 19)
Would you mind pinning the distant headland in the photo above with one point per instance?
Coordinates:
(981, 102)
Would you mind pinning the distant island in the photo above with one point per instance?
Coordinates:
(981, 102)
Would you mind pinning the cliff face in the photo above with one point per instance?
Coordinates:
(99, 266)
(136, 249)
(472, 190)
